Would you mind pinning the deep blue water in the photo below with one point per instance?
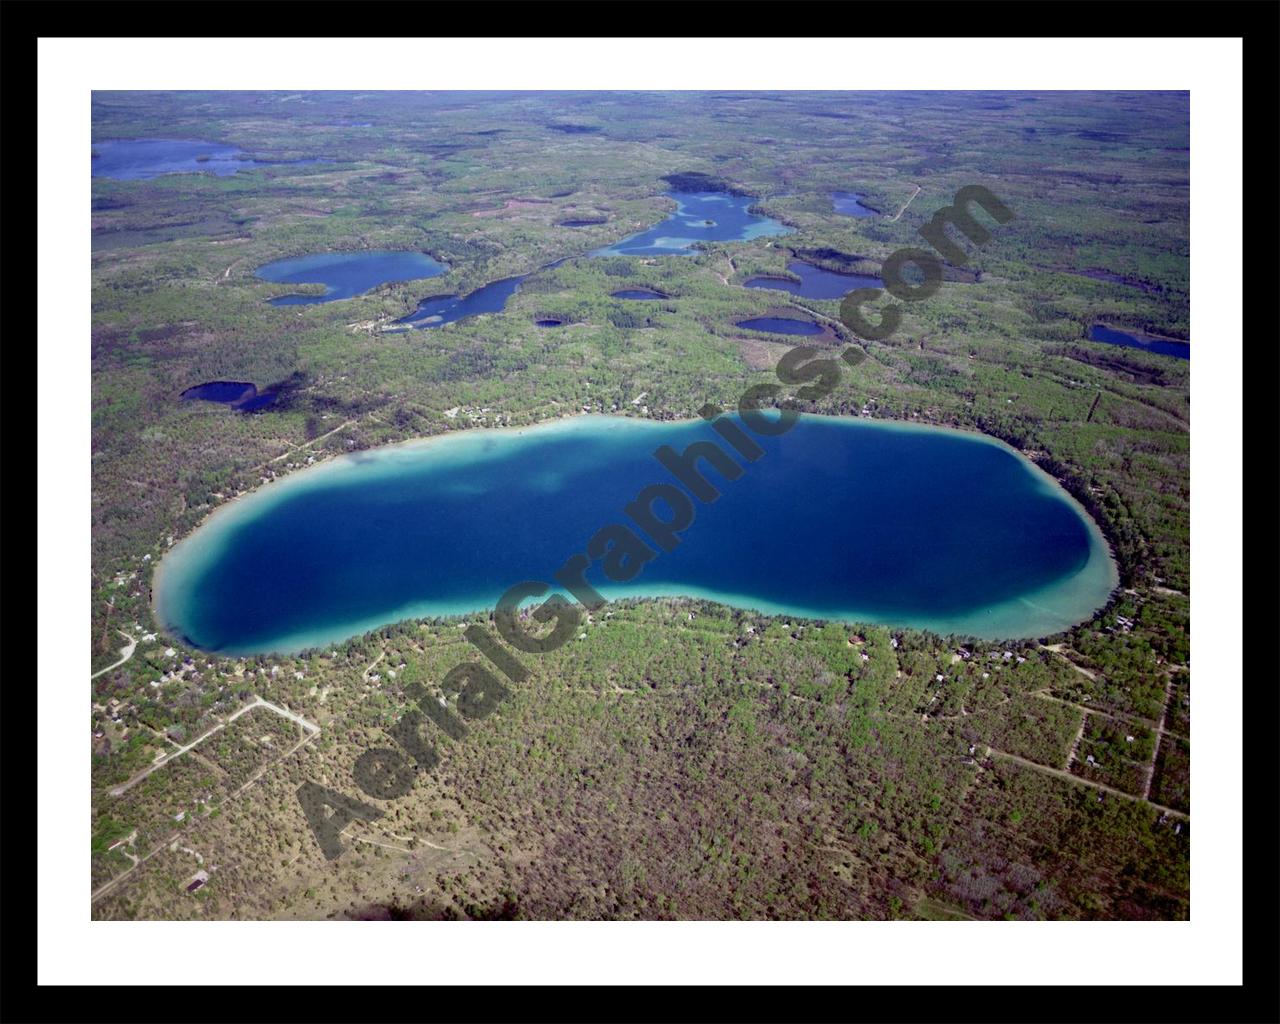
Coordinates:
(849, 203)
(781, 325)
(346, 274)
(637, 293)
(437, 310)
(839, 518)
(815, 283)
(238, 394)
(1110, 336)
(147, 158)
(699, 217)
(226, 391)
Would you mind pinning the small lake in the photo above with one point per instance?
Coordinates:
(130, 159)
(850, 204)
(699, 217)
(346, 274)
(639, 294)
(815, 283)
(782, 325)
(841, 518)
(238, 394)
(438, 310)
(1127, 339)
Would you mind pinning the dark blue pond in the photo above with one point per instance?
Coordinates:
(1161, 346)
(639, 294)
(782, 325)
(437, 310)
(849, 203)
(840, 518)
(699, 217)
(815, 283)
(238, 394)
(148, 158)
(346, 274)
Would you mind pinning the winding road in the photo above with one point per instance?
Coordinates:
(126, 652)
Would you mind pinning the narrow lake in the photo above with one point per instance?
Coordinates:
(1135, 339)
(437, 310)
(850, 204)
(639, 294)
(148, 158)
(346, 274)
(815, 283)
(699, 217)
(782, 325)
(840, 518)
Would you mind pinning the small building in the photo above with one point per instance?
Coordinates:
(197, 880)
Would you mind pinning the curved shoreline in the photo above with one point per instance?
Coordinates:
(196, 544)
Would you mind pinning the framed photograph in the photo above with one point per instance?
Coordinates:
(717, 510)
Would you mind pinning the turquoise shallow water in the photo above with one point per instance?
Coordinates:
(840, 518)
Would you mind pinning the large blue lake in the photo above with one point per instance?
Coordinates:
(699, 217)
(149, 158)
(815, 283)
(346, 274)
(840, 518)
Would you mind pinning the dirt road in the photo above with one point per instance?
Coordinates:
(126, 653)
